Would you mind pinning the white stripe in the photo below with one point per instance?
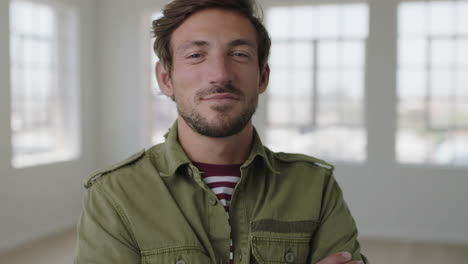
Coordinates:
(212, 179)
(225, 202)
(226, 190)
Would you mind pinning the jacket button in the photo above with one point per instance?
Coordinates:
(289, 257)
(213, 200)
(180, 261)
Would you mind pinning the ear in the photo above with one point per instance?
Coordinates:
(264, 79)
(164, 81)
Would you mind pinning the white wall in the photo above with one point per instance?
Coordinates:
(122, 39)
(40, 200)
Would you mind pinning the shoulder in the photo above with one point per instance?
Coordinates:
(97, 175)
(282, 159)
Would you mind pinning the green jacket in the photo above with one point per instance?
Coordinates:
(155, 208)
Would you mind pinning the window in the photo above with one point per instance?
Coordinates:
(433, 83)
(162, 108)
(315, 97)
(44, 82)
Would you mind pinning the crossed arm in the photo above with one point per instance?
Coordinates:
(339, 258)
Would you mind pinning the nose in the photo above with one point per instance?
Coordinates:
(219, 70)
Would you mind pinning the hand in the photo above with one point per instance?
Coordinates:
(339, 258)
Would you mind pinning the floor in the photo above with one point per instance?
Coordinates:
(60, 248)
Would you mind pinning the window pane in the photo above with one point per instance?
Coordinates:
(355, 21)
(462, 53)
(461, 17)
(461, 115)
(442, 54)
(280, 54)
(304, 22)
(412, 19)
(441, 116)
(329, 56)
(462, 83)
(301, 112)
(441, 84)
(330, 98)
(329, 20)
(411, 84)
(280, 83)
(353, 54)
(412, 53)
(441, 18)
(302, 54)
(412, 115)
(279, 22)
(279, 111)
(301, 84)
(353, 105)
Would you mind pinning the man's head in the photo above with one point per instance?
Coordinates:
(178, 11)
(215, 68)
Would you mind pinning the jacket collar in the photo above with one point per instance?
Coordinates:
(175, 157)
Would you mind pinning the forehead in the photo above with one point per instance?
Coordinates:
(214, 24)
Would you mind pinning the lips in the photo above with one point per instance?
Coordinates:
(220, 96)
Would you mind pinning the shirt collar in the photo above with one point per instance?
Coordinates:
(174, 155)
(259, 150)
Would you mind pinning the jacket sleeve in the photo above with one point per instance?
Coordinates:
(103, 233)
(337, 229)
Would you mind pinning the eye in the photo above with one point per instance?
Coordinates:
(194, 56)
(240, 54)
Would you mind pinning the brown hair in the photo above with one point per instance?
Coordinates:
(178, 11)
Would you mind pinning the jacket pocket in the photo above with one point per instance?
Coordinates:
(176, 256)
(279, 250)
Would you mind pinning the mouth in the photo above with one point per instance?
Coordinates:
(220, 97)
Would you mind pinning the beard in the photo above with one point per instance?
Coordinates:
(225, 124)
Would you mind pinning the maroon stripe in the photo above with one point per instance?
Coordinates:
(220, 175)
(224, 196)
(222, 184)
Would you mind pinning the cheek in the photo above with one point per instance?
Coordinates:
(188, 76)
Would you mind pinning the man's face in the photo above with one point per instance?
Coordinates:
(215, 78)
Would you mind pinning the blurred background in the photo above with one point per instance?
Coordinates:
(377, 87)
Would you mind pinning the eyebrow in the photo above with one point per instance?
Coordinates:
(242, 42)
(201, 43)
(188, 44)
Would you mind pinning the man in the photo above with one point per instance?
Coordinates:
(212, 193)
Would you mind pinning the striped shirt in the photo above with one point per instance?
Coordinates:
(222, 180)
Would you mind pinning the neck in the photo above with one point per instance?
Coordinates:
(226, 150)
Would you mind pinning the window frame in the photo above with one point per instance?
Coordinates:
(429, 38)
(263, 121)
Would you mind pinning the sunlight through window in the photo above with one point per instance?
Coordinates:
(433, 83)
(315, 97)
(44, 81)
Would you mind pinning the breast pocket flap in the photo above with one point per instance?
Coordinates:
(269, 250)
